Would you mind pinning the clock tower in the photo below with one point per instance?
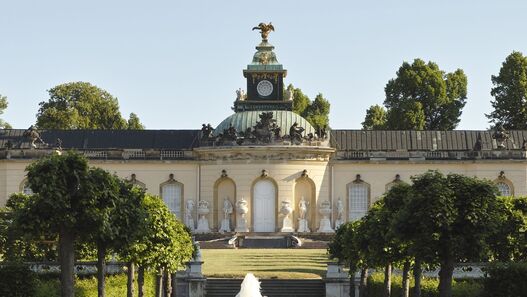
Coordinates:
(265, 79)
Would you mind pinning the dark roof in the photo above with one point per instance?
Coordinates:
(108, 139)
(457, 140)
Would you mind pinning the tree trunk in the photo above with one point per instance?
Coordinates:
(159, 283)
(406, 279)
(167, 285)
(417, 278)
(67, 262)
(387, 280)
(141, 281)
(173, 283)
(101, 269)
(445, 277)
(363, 288)
(130, 280)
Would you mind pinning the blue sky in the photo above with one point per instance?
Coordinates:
(177, 64)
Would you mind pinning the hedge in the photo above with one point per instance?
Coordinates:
(506, 280)
(17, 281)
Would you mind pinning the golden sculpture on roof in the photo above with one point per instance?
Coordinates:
(265, 29)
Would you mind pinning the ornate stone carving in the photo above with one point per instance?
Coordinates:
(304, 174)
(224, 173)
(242, 209)
(266, 129)
(240, 95)
(287, 223)
(501, 136)
(289, 93)
(226, 221)
(325, 222)
(206, 131)
(265, 29)
(203, 222)
(479, 144)
(295, 133)
(33, 134)
(264, 173)
(302, 212)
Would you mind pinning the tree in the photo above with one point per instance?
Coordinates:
(510, 93)
(423, 97)
(81, 105)
(509, 242)
(3, 106)
(449, 219)
(113, 224)
(134, 123)
(61, 204)
(315, 112)
(375, 118)
(165, 244)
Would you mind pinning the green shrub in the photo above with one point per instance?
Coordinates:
(429, 287)
(17, 281)
(506, 280)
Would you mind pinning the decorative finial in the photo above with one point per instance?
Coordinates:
(265, 29)
(264, 173)
(224, 173)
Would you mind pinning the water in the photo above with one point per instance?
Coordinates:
(250, 287)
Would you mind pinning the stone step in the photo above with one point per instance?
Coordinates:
(270, 288)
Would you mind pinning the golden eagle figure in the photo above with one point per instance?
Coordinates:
(265, 29)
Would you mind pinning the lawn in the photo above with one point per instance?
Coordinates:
(265, 263)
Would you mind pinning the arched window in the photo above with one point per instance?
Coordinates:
(358, 199)
(24, 187)
(172, 194)
(504, 189)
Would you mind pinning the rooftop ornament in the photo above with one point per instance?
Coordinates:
(265, 29)
(501, 136)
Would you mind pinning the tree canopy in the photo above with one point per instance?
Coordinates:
(510, 93)
(3, 106)
(81, 105)
(316, 112)
(421, 97)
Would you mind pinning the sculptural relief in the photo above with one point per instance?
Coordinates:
(302, 212)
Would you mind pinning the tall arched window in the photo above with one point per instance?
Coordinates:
(504, 189)
(172, 194)
(358, 199)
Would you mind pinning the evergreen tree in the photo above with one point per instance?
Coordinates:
(3, 106)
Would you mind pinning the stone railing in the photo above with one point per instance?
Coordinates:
(102, 154)
(81, 268)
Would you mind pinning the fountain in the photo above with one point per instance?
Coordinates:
(250, 287)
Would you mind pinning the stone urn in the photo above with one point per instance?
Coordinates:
(203, 222)
(242, 210)
(286, 210)
(325, 222)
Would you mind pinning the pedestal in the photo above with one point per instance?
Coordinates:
(287, 225)
(302, 226)
(225, 225)
(203, 225)
(338, 223)
(242, 225)
(190, 283)
(325, 226)
(337, 281)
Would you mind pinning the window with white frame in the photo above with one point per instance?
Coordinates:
(172, 197)
(505, 189)
(358, 200)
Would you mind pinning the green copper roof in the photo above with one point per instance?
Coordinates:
(247, 119)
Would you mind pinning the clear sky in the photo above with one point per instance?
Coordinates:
(177, 64)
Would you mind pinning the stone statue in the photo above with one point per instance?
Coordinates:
(203, 222)
(501, 135)
(289, 92)
(295, 133)
(242, 209)
(266, 128)
(227, 210)
(33, 134)
(479, 144)
(265, 29)
(325, 222)
(340, 214)
(302, 220)
(240, 94)
(189, 208)
(206, 131)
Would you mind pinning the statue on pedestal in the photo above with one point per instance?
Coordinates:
(340, 214)
(203, 222)
(287, 223)
(325, 222)
(226, 221)
(189, 208)
(242, 209)
(302, 211)
(295, 133)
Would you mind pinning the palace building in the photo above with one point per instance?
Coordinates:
(265, 168)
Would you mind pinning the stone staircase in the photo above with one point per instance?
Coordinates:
(223, 287)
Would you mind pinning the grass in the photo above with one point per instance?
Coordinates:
(265, 263)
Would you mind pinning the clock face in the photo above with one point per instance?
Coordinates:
(264, 88)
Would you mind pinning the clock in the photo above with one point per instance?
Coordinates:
(264, 88)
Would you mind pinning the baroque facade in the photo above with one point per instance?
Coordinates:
(265, 168)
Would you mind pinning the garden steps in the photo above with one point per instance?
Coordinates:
(224, 287)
